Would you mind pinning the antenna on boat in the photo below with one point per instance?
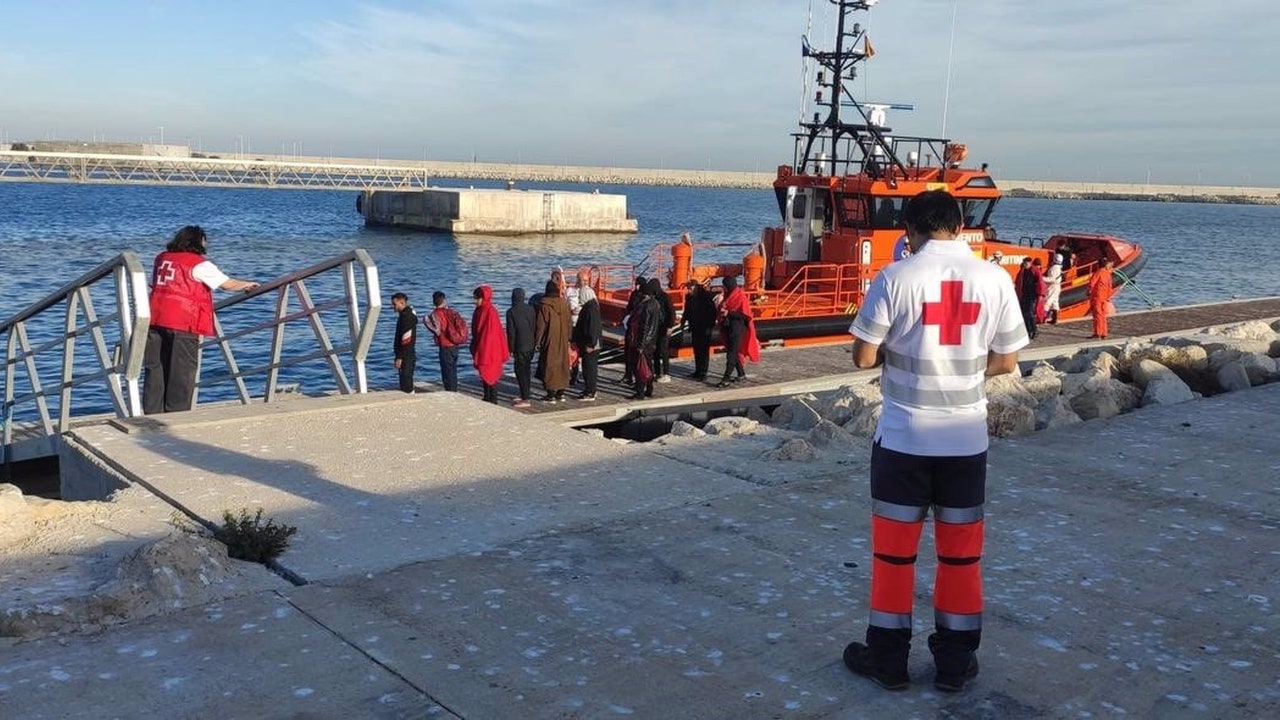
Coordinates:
(804, 63)
(951, 52)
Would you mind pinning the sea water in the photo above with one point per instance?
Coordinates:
(52, 233)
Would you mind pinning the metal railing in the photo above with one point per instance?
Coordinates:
(360, 327)
(119, 370)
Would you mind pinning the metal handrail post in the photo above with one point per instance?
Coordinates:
(353, 322)
(364, 339)
(277, 342)
(322, 337)
(68, 361)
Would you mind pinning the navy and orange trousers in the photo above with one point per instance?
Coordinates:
(903, 489)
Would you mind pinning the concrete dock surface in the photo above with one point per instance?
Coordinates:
(468, 561)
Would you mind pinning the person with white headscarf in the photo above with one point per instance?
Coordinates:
(586, 336)
(1053, 291)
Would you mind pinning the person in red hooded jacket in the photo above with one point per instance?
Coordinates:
(737, 332)
(182, 284)
(488, 342)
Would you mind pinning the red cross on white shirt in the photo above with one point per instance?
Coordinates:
(951, 313)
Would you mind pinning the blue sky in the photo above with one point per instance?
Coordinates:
(1110, 90)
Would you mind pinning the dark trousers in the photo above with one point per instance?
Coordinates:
(662, 355)
(490, 392)
(903, 489)
(524, 373)
(732, 344)
(590, 369)
(449, 368)
(1029, 316)
(701, 352)
(407, 364)
(172, 362)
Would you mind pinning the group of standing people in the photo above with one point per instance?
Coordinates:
(560, 328)
(651, 322)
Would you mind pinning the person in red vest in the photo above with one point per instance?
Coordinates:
(939, 321)
(182, 284)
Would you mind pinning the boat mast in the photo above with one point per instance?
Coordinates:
(848, 148)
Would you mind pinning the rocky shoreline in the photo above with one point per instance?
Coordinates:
(1094, 383)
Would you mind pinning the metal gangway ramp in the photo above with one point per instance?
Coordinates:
(47, 386)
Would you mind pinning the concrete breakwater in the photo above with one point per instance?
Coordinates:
(589, 175)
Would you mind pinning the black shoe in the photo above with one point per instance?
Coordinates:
(696, 376)
(956, 683)
(857, 657)
(722, 384)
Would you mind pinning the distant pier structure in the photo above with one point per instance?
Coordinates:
(497, 212)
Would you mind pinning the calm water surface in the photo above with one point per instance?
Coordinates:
(50, 234)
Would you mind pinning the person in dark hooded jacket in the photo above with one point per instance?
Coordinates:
(700, 316)
(586, 336)
(521, 318)
(661, 351)
(628, 350)
(643, 334)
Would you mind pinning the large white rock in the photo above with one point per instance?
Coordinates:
(1106, 400)
(730, 425)
(1215, 345)
(1259, 367)
(796, 413)
(1075, 383)
(828, 434)
(865, 422)
(1055, 412)
(1232, 377)
(1166, 389)
(1043, 382)
(793, 450)
(1144, 371)
(1091, 359)
(1250, 330)
(15, 516)
(681, 428)
(1009, 418)
(1008, 389)
(848, 401)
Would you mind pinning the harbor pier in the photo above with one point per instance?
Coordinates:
(459, 559)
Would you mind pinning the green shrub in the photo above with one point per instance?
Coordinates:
(248, 538)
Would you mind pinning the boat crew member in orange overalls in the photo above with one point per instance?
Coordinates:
(1100, 291)
(940, 321)
(182, 284)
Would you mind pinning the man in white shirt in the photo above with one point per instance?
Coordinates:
(940, 321)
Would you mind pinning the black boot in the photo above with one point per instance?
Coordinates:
(955, 657)
(868, 663)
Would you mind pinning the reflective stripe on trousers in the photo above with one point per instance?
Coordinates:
(957, 589)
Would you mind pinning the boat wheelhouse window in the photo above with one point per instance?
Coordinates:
(884, 212)
(799, 206)
(852, 210)
(980, 181)
(976, 212)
